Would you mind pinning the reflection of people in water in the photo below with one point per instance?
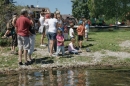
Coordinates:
(81, 78)
(59, 78)
(71, 77)
(23, 79)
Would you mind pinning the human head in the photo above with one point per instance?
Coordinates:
(47, 16)
(73, 40)
(71, 25)
(43, 9)
(52, 15)
(42, 13)
(30, 14)
(59, 32)
(80, 22)
(59, 24)
(14, 15)
(58, 16)
(24, 12)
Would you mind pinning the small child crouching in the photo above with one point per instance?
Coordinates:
(71, 47)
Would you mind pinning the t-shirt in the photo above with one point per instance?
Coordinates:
(52, 25)
(23, 24)
(81, 30)
(41, 20)
(70, 32)
(71, 47)
(60, 37)
(86, 28)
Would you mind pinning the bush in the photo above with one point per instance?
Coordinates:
(3, 42)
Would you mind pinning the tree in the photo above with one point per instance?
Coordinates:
(109, 8)
(6, 9)
(80, 8)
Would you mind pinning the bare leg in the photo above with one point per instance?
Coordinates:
(20, 55)
(51, 46)
(25, 55)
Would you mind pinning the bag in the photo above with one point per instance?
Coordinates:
(9, 24)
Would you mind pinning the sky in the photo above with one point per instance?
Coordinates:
(64, 6)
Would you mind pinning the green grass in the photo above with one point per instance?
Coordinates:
(98, 41)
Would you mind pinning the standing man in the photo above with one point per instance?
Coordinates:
(22, 29)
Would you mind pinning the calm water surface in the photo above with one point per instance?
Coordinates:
(70, 77)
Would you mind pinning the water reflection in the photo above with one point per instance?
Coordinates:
(71, 77)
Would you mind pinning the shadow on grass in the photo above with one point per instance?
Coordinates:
(44, 60)
(50, 60)
(89, 45)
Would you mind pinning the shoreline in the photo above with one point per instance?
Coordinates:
(46, 67)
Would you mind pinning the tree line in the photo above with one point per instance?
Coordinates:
(110, 9)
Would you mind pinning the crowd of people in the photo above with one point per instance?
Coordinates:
(51, 25)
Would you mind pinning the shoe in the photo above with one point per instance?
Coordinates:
(32, 61)
(20, 63)
(27, 63)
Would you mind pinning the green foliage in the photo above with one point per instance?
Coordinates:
(109, 8)
(6, 11)
(80, 8)
(118, 9)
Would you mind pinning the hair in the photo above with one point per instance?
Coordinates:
(24, 11)
(43, 9)
(59, 31)
(72, 39)
(52, 15)
(42, 13)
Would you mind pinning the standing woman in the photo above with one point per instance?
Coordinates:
(52, 22)
(31, 36)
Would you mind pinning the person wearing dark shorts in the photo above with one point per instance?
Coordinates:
(80, 38)
(81, 33)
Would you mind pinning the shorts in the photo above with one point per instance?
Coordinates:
(42, 29)
(80, 38)
(14, 40)
(23, 42)
(51, 36)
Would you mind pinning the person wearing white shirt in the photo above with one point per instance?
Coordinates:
(52, 32)
(42, 28)
(71, 31)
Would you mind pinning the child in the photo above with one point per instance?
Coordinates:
(81, 32)
(66, 33)
(60, 42)
(60, 27)
(86, 30)
(71, 31)
(71, 47)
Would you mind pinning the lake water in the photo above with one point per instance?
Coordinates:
(69, 77)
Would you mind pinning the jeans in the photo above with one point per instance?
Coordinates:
(60, 48)
(74, 52)
(32, 44)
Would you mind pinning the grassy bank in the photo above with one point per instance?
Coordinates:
(101, 44)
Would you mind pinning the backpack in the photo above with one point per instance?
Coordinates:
(9, 25)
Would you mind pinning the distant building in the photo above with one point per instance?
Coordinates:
(70, 18)
(37, 10)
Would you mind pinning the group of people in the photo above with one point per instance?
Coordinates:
(50, 25)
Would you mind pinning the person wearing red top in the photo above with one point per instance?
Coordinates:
(22, 30)
(81, 32)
